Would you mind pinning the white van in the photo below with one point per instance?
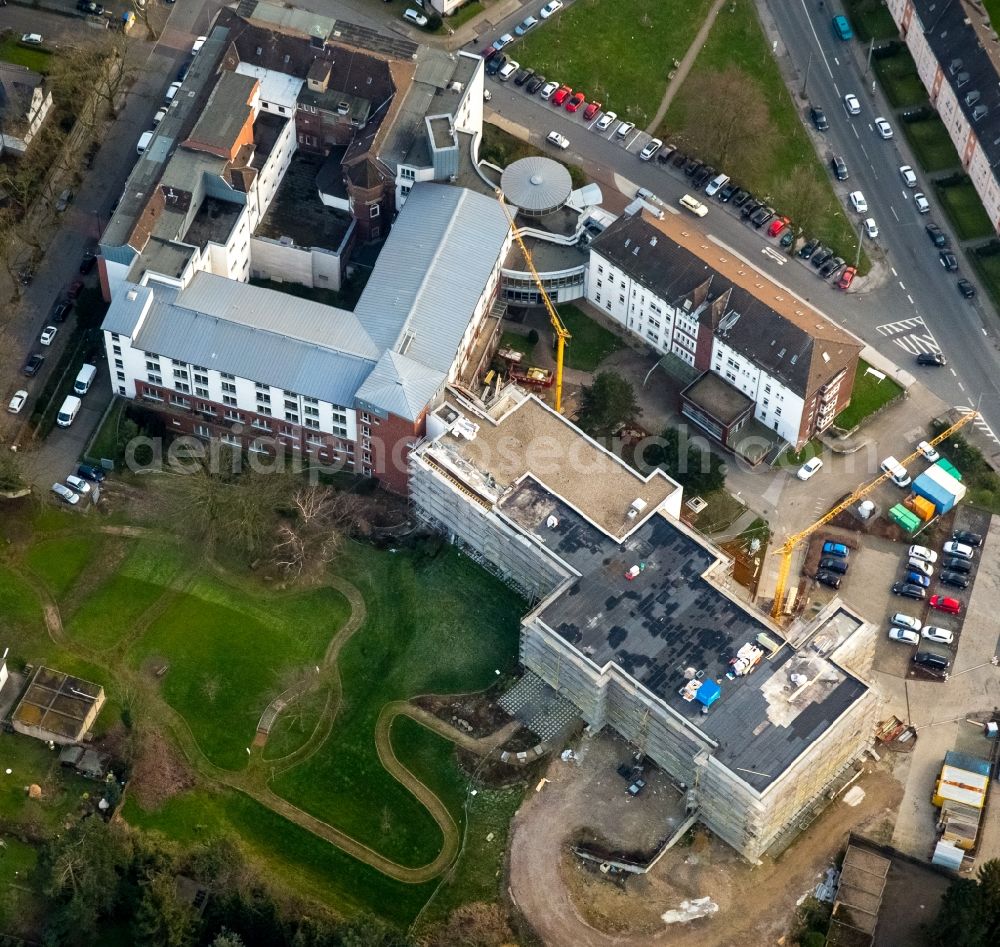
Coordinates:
(84, 379)
(692, 204)
(69, 410)
(896, 471)
(144, 141)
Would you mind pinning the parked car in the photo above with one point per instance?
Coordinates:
(937, 235)
(932, 359)
(948, 260)
(957, 565)
(968, 537)
(871, 228)
(523, 75)
(33, 365)
(883, 128)
(702, 176)
(88, 472)
(529, 23)
(61, 310)
(839, 166)
(78, 484)
(495, 64)
(956, 579)
(858, 202)
(809, 468)
(777, 225)
(591, 110)
(551, 7)
(652, 146)
(664, 155)
(852, 104)
(503, 41)
(88, 262)
(829, 579)
(32, 39)
(945, 604)
(966, 288)
(918, 565)
(575, 101)
(554, 138)
(65, 494)
(680, 159)
(808, 248)
(831, 267)
(761, 216)
(833, 564)
(909, 590)
(908, 175)
(931, 661)
(921, 203)
(548, 90)
(534, 84)
(48, 334)
(740, 197)
(725, 194)
(818, 117)
(928, 452)
(917, 578)
(172, 90)
(508, 70)
(905, 621)
(201, 40)
(842, 28)
(831, 548)
(922, 552)
(626, 128)
(820, 256)
(561, 95)
(846, 278)
(17, 402)
(959, 550)
(750, 208)
(605, 121)
(904, 635)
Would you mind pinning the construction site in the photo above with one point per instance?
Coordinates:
(635, 624)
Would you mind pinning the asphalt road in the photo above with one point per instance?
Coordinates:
(909, 304)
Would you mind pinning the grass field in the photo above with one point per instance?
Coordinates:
(900, 80)
(591, 342)
(870, 19)
(11, 50)
(295, 724)
(965, 210)
(737, 40)
(501, 148)
(417, 612)
(59, 563)
(619, 54)
(868, 396)
(931, 144)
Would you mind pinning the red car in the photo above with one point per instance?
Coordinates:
(846, 278)
(561, 95)
(489, 51)
(575, 102)
(945, 604)
(591, 110)
(777, 225)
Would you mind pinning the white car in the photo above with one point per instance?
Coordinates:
(653, 146)
(852, 104)
(905, 621)
(624, 129)
(923, 205)
(959, 550)
(487, 95)
(918, 565)
(172, 90)
(32, 39)
(78, 484)
(159, 117)
(904, 635)
(65, 494)
(198, 43)
(605, 121)
(560, 141)
(883, 128)
(17, 402)
(508, 69)
(908, 176)
(551, 7)
(529, 23)
(809, 468)
(858, 202)
(548, 89)
(941, 635)
(871, 228)
(504, 40)
(48, 334)
(929, 452)
(922, 552)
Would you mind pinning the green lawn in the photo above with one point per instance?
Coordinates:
(463, 14)
(931, 144)
(104, 446)
(870, 19)
(59, 563)
(295, 724)
(794, 459)
(229, 651)
(591, 342)
(737, 41)
(900, 80)
(11, 50)
(618, 53)
(518, 342)
(417, 612)
(20, 613)
(988, 270)
(501, 148)
(722, 511)
(965, 210)
(868, 395)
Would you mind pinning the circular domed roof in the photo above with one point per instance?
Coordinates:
(536, 185)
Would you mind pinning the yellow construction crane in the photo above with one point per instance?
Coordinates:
(562, 333)
(788, 547)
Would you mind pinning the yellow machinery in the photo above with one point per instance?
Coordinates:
(561, 332)
(789, 545)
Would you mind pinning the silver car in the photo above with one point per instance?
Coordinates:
(65, 494)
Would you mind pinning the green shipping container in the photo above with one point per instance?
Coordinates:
(949, 467)
(900, 515)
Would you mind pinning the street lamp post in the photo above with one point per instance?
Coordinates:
(861, 237)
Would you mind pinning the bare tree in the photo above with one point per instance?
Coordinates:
(804, 197)
(313, 533)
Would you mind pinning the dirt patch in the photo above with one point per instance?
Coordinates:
(159, 773)
(476, 714)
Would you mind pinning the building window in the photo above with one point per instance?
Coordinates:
(180, 402)
(621, 299)
(311, 411)
(154, 379)
(201, 392)
(227, 376)
(182, 386)
(205, 408)
(597, 298)
(312, 422)
(117, 349)
(152, 366)
(229, 399)
(292, 416)
(233, 416)
(201, 430)
(373, 210)
(407, 174)
(151, 394)
(200, 379)
(600, 283)
(263, 409)
(115, 337)
(261, 424)
(229, 387)
(263, 399)
(120, 375)
(119, 363)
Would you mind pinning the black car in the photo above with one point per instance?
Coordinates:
(948, 261)
(741, 197)
(966, 288)
(831, 266)
(692, 167)
(750, 208)
(839, 166)
(956, 579)
(680, 159)
(932, 661)
(818, 117)
(494, 65)
(909, 590)
(820, 256)
(61, 310)
(830, 579)
(957, 565)
(183, 71)
(932, 359)
(808, 249)
(32, 366)
(968, 537)
(833, 564)
(523, 75)
(91, 473)
(936, 235)
(535, 83)
(704, 176)
(87, 263)
(761, 216)
(725, 194)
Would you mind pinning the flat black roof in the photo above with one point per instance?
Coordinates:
(669, 618)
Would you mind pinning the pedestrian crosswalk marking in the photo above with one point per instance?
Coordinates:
(979, 424)
(911, 335)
